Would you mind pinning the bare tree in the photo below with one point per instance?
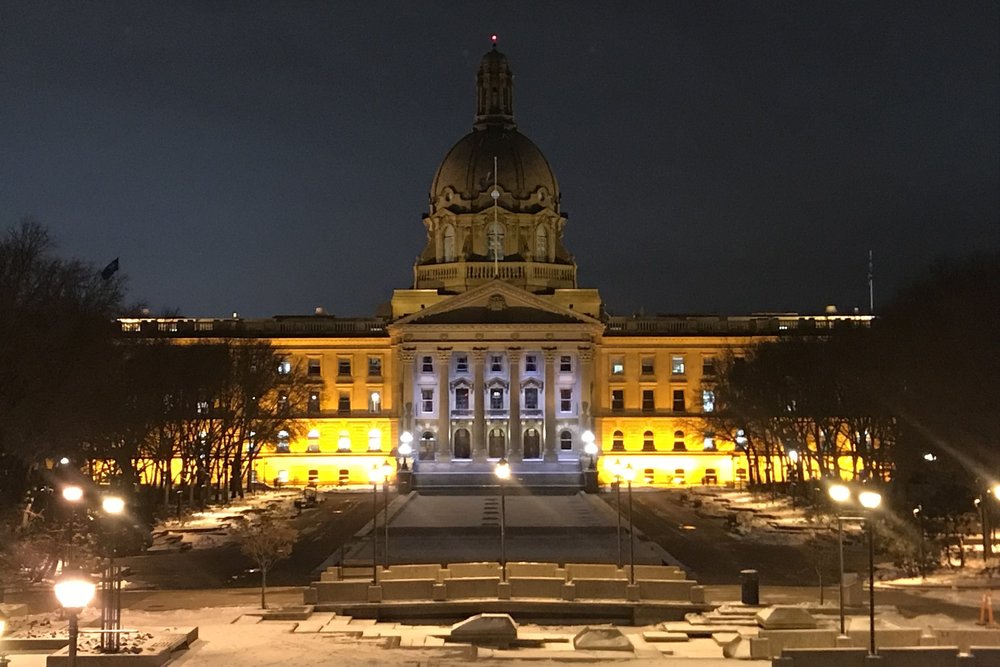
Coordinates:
(266, 540)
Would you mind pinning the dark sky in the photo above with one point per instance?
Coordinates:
(271, 157)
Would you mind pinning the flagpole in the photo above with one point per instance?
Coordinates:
(496, 224)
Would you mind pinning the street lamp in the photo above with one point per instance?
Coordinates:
(616, 468)
(502, 471)
(629, 475)
(4, 662)
(918, 514)
(72, 494)
(111, 607)
(870, 500)
(74, 592)
(590, 448)
(386, 473)
(374, 477)
(405, 447)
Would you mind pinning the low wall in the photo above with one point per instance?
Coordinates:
(659, 573)
(782, 640)
(913, 656)
(665, 590)
(411, 572)
(605, 589)
(827, 657)
(342, 591)
(473, 570)
(966, 638)
(462, 588)
(408, 589)
(593, 571)
(536, 587)
(533, 570)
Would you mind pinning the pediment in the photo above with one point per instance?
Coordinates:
(496, 303)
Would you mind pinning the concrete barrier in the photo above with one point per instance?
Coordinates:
(659, 573)
(411, 572)
(886, 637)
(533, 570)
(826, 657)
(780, 640)
(965, 638)
(917, 656)
(984, 656)
(342, 591)
(460, 588)
(309, 595)
(536, 587)
(408, 589)
(593, 571)
(600, 589)
(472, 570)
(330, 575)
(665, 590)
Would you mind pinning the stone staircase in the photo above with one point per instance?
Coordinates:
(562, 476)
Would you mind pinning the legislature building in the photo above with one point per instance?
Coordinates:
(495, 352)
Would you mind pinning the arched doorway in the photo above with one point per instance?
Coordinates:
(532, 444)
(497, 444)
(428, 443)
(463, 448)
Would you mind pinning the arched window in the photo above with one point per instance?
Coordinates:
(313, 445)
(427, 443)
(541, 244)
(566, 441)
(344, 442)
(494, 241)
(462, 444)
(618, 442)
(374, 440)
(679, 445)
(282, 442)
(647, 442)
(532, 444)
(496, 444)
(448, 243)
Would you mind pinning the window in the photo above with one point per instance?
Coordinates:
(708, 366)
(427, 400)
(374, 367)
(343, 476)
(462, 363)
(617, 399)
(707, 400)
(566, 441)
(646, 366)
(313, 441)
(494, 241)
(565, 400)
(313, 368)
(312, 405)
(541, 244)
(284, 367)
(448, 249)
(496, 363)
(344, 367)
(617, 366)
(426, 364)
(344, 402)
(648, 400)
(530, 363)
(496, 398)
(531, 398)
(679, 445)
(374, 440)
(709, 443)
(282, 446)
(678, 400)
(677, 365)
(462, 398)
(374, 402)
(649, 475)
(202, 407)
(565, 364)
(344, 442)
(648, 445)
(313, 476)
(618, 442)
(679, 476)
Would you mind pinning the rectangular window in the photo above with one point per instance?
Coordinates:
(707, 400)
(202, 407)
(374, 367)
(709, 443)
(531, 398)
(312, 406)
(646, 366)
(677, 365)
(374, 402)
(427, 364)
(462, 363)
(462, 398)
(496, 399)
(427, 400)
(282, 445)
(565, 364)
(314, 368)
(284, 367)
(648, 400)
(496, 363)
(344, 403)
(708, 367)
(617, 399)
(343, 367)
(530, 363)
(678, 400)
(565, 400)
(617, 365)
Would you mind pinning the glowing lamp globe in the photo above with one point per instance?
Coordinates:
(870, 499)
(375, 475)
(74, 591)
(502, 471)
(628, 474)
(113, 505)
(72, 493)
(839, 493)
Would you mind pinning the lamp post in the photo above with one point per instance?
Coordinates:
(386, 473)
(870, 500)
(72, 494)
(918, 514)
(590, 448)
(502, 471)
(405, 448)
(374, 477)
(616, 468)
(840, 494)
(111, 603)
(981, 507)
(629, 475)
(74, 592)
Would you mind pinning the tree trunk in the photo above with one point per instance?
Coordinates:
(263, 587)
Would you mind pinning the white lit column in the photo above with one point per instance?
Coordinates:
(550, 404)
(586, 357)
(405, 391)
(514, 451)
(479, 409)
(444, 406)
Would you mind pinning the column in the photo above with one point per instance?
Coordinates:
(550, 404)
(444, 406)
(479, 405)
(514, 451)
(586, 356)
(405, 393)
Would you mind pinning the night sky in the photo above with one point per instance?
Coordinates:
(729, 157)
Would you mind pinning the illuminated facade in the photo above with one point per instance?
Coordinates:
(495, 352)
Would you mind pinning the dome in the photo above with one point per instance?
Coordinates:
(464, 180)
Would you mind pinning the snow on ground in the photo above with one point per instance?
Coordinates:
(213, 526)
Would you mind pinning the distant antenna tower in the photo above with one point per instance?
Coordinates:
(871, 284)
(495, 232)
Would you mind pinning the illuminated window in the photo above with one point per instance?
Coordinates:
(344, 403)
(531, 398)
(679, 445)
(343, 367)
(565, 400)
(707, 400)
(496, 398)
(202, 407)
(344, 442)
(617, 366)
(426, 364)
(313, 443)
(343, 476)
(313, 368)
(282, 446)
(313, 476)
(284, 367)
(617, 399)
(648, 444)
(677, 365)
(565, 364)
(709, 444)
(646, 366)
(374, 440)
(565, 441)
(618, 442)
(374, 402)
(374, 367)
(312, 405)
(282, 477)
(678, 400)
(648, 400)
(427, 400)
(679, 476)
(649, 475)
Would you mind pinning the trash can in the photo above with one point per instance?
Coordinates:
(749, 587)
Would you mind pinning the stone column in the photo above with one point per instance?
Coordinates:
(405, 393)
(586, 356)
(444, 406)
(479, 405)
(550, 404)
(514, 447)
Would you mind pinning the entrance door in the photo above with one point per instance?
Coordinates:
(463, 448)
(428, 443)
(532, 444)
(496, 448)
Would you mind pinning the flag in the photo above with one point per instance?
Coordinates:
(110, 269)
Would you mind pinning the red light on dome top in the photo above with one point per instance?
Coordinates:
(493, 38)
